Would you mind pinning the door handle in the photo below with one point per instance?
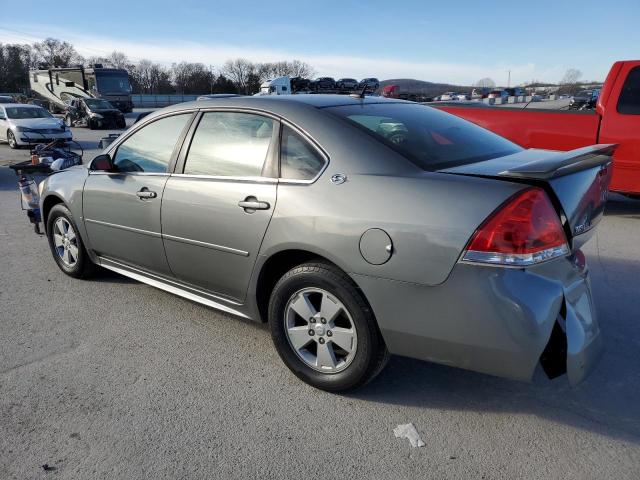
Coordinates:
(251, 204)
(146, 193)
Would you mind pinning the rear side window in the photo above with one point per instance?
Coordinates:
(230, 144)
(298, 159)
(428, 137)
(150, 148)
(629, 101)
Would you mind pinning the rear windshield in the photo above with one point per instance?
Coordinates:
(430, 138)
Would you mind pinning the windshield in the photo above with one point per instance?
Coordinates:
(428, 137)
(20, 113)
(97, 104)
(113, 83)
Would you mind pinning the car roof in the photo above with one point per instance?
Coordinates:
(278, 102)
(26, 105)
(287, 106)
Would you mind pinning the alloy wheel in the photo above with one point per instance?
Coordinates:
(11, 138)
(65, 241)
(320, 330)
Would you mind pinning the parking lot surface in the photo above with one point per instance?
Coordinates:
(110, 378)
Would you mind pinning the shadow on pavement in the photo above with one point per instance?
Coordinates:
(605, 403)
(619, 205)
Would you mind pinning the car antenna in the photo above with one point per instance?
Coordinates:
(360, 94)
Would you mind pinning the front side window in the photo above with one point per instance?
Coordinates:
(430, 138)
(230, 144)
(150, 148)
(298, 159)
(629, 101)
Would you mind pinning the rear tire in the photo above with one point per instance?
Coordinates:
(66, 244)
(346, 349)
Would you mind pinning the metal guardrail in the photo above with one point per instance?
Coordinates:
(160, 100)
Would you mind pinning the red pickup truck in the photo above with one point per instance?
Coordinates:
(616, 119)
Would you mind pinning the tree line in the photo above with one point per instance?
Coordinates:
(235, 76)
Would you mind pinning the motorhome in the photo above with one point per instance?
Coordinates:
(58, 86)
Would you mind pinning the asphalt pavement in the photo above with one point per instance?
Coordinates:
(110, 378)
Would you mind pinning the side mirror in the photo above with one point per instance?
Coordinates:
(102, 163)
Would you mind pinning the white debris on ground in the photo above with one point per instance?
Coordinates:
(409, 432)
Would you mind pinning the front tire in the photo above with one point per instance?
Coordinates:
(323, 328)
(66, 244)
(11, 140)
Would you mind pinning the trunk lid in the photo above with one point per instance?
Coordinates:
(576, 181)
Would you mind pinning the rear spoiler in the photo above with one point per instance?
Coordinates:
(563, 163)
(578, 180)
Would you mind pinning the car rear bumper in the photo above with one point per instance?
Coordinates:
(493, 320)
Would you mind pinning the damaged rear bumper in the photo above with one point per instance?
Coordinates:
(500, 321)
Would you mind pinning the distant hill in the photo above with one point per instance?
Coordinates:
(410, 85)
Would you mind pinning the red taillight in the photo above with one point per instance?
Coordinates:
(524, 231)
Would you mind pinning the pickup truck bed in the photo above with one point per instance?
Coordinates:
(616, 120)
(549, 129)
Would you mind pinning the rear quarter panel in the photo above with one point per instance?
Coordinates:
(429, 218)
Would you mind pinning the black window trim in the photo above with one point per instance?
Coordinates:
(622, 89)
(270, 164)
(113, 148)
(274, 150)
(306, 138)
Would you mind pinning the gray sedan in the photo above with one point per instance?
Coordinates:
(357, 227)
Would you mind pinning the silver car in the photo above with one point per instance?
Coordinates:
(357, 227)
(22, 124)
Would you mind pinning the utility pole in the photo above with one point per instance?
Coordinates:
(509, 80)
(211, 78)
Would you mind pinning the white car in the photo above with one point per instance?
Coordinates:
(22, 124)
(448, 96)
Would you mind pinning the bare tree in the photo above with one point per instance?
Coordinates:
(571, 77)
(149, 77)
(241, 72)
(295, 68)
(191, 77)
(56, 53)
(91, 61)
(485, 82)
(118, 60)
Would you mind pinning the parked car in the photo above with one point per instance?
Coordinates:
(372, 84)
(499, 94)
(93, 113)
(299, 84)
(462, 96)
(616, 119)
(447, 96)
(584, 100)
(515, 92)
(22, 124)
(357, 227)
(347, 84)
(323, 83)
(6, 99)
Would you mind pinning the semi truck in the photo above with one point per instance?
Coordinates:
(615, 119)
(57, 86)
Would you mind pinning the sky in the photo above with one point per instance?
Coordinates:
(453, 42)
